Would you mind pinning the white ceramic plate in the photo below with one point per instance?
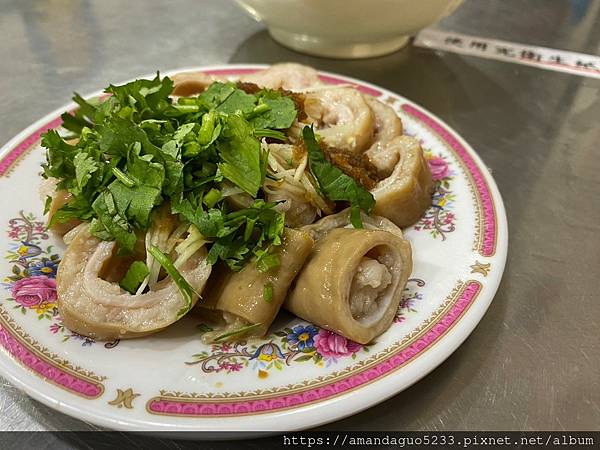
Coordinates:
(298, 376)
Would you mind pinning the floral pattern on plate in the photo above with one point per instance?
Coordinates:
(301, 343)
(439, 219)
(32, 283)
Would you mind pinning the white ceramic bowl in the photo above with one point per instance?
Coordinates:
(347, 28)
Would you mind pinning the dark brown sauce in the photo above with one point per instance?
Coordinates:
(359, 167)
(249, 88)
(356, 166)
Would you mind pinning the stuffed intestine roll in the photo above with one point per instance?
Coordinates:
(406, 193)
(244, 304)
(363, 137)
(404, 188)
(90, 300)
(353, 280)
(288, 76)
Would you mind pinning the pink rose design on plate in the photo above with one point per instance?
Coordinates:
(439, 168)
(331, 345)
(34, 291)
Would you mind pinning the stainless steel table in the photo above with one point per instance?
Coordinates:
(534, 360)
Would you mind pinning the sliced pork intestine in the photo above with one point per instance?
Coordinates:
(387, 123)
(388, 126)
(94, 307)
(224, 323)
(237, 299)
(111, 294)
(297, 208)
(342, 117)
(288, 76)
(406, 193)
(71, 234)
(319, 229)
(353, 281)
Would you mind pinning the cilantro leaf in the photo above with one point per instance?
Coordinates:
(237, 101)
(216, 94)
(334, 183)
(136, 202)
(59, 157)
(85, 166)
(84, 116)
(112, 223)
(280, 114)
(146, 98)
(116, 135)
(86, 109)
(137, 149)
(241, 154)
(76, 208)
(135, 276)
(187, 291)
(74, 123)
(210, 222)
(240, 235)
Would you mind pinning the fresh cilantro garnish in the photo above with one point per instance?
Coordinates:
(264, 109)
(334, 183)
(268, 292)
(238, 101)
(135, 276)
(240, 235)
(273, 134)
(279, 111)
(47, 204)
(187, 291)
(138, 148)
(243, 160)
